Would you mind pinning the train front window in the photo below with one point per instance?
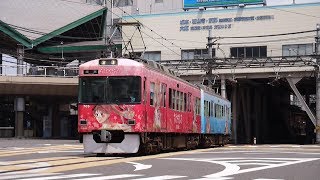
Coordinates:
(110, 90)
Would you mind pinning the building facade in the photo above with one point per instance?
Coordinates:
(260, 31)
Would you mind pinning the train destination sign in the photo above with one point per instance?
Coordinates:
(189, 4)
(216, 23)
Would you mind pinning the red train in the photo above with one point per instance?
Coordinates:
(126, 106)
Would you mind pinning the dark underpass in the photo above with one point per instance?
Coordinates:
(268, 110)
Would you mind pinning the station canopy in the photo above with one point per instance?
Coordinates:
(57, 30)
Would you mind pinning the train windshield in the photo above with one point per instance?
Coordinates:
(110, 90)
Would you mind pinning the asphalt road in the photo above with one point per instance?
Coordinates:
(64, 159)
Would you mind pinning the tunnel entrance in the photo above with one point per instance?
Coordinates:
(268, 110)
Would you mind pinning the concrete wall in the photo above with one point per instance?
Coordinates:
(284, 19)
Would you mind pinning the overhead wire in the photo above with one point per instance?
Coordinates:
(146, 26)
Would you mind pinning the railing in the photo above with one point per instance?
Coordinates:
(41, 71)
(239, 63)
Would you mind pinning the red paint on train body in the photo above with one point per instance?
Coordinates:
(153, 111)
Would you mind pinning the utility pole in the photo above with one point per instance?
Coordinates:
(317, 85)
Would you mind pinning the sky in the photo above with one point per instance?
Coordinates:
(282, 2)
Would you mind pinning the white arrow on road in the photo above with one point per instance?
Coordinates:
(140, 166)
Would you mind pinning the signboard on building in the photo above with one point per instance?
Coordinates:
(188, 4)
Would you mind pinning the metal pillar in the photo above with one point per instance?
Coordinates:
(223, 86)
(317, 86)
(210, 44)
(292, 82)
(20, 53)
(0, 64)
(19, 107)
(234, 113)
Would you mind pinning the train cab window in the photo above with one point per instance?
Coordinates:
(110, 90)
(152, 96)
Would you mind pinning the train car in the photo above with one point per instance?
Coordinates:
(215, 117)
(131, 106)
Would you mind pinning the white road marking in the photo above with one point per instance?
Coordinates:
(58, 151)
(61, 177)
(161, 177)
(16, 175)
(232, 169)
(110, 177)
(140, 166)
(267, 179)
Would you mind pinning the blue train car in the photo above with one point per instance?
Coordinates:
(215, 114)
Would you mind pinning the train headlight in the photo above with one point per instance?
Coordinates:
(103, 62)
(108, 62)
(113, 62)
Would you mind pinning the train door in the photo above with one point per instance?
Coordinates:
(145, 101)
(153, 111)
(163, 106)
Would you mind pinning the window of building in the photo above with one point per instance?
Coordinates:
(152, 55)
(122, 3)
(196, 53)
(158, 1)
(297, 49)
(248, 52)
(117, 31)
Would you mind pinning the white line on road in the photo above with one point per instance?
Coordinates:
(16, 175)
(61, 177)
(140, 166)
(122, 176)
(161, 177)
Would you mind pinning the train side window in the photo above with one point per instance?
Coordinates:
(216, 110)
(189, 102)
(180, 101)
(170, 98)
(173, 99)
(163, 94)
(212, 109)
(205, 108)
(209, 108)
(185, 102)
(198, 106)
(152, 96)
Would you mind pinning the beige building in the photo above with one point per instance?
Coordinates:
(183, 35)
